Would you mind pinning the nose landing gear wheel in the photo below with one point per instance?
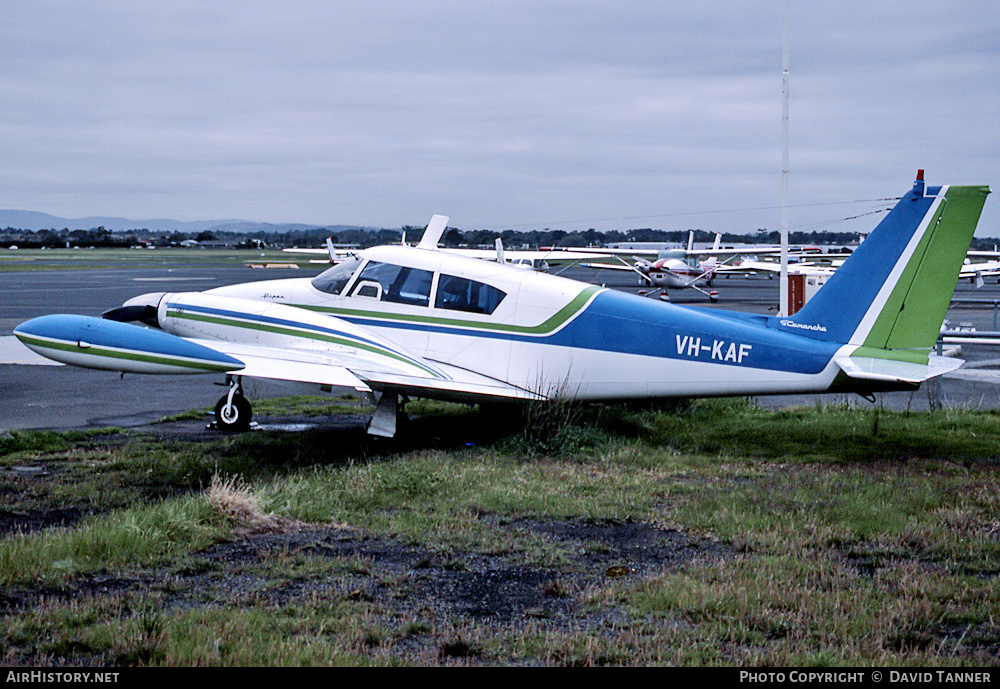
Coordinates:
(233, 416)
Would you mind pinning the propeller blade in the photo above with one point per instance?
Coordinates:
(127, 314)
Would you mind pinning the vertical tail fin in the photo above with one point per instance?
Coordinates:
(894, 290)
(432, 234)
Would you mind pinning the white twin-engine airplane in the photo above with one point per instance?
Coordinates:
(400, 321)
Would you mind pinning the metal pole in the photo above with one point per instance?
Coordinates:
(936, 387)
(783, 280)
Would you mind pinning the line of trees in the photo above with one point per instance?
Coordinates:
(102, 237)
(595, 238)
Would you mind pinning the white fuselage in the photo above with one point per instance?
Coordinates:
(552, 335)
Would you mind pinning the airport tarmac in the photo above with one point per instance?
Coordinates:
(40, 396)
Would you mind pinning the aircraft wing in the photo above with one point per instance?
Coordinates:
(201, 333)
(608, 266)
(595, 252)
(750, 266)
(984, 269)
(285, 342)
(459, 384)
(288, 364)
(364, 374)
(539, 255)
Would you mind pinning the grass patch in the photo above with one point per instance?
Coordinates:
(852, 540)
(140, 535)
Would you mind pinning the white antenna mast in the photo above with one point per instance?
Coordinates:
(783, 280)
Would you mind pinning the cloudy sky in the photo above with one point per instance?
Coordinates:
(504, 114)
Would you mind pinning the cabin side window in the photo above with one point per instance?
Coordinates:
(397, 284)
(461, 294)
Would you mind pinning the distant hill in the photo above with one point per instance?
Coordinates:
(33, 220)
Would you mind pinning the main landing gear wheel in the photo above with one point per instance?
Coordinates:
(233, 414)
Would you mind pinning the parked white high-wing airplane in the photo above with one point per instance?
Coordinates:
(673, 270)
(401, 321)
(688, 268)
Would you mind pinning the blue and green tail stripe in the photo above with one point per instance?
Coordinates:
(894, 291)
(912, 316)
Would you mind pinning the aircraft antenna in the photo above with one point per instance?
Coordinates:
(783, 281)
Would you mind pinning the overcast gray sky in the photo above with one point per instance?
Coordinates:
(503, 114)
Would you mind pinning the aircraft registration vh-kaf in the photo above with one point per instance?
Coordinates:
(398, 322)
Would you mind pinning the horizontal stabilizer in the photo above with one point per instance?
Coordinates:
(891, 370)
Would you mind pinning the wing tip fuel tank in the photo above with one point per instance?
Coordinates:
(110, 345)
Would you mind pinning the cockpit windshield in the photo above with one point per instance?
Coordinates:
(333, 280)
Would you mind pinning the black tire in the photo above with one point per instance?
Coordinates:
(238, 418)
